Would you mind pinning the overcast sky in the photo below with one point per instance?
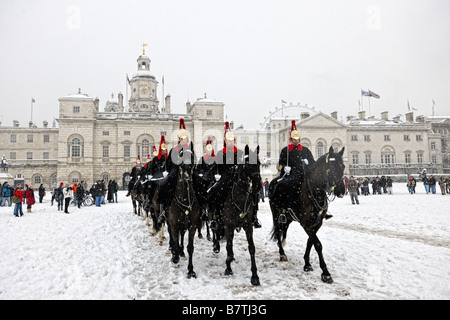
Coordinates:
(250, 54)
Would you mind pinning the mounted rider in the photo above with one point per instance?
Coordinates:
(135, 172)
(175, 158)
(227, 161)
(204, 176)
(294, 161)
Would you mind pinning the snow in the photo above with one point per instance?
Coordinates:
(388, 247)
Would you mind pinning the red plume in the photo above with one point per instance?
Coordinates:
(182, 126)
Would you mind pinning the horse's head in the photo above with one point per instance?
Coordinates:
(335, 172)
(252, 167)
(187, 165)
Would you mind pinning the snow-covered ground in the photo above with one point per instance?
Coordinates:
(388, 247)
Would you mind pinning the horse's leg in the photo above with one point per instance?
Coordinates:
(251, 249)
(175, 244)
(161, 235)
(190, 249)
(230, 254)
(308, 266)
(182, 232)
(152, 216)
(326, 277)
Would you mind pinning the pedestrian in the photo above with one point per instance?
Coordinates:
(79, 194)
(261, 192)
(389, 185)
(29, 194)
(266, 188)
(60, 196)
(17, 200)
(432, 184)
(104, 189)
(442, 184)
(110, 193)
(97, 193)
(53, 194)
(116, 189)
(411, 184)
(41, 193)
(7, 191)
(68, 195)
(353, 190)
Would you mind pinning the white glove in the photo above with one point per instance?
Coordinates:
(287, 169)
(165, 174)
(217, 177)
(200, 175)
(306, 161)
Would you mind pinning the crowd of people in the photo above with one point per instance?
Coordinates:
(63, 195)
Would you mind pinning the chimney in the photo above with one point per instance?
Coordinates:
(396, 118)
(45, 124)
(167, 104)
(15, 123)
(350, 118)
(334, 115)
(362, 115)
(96, 103)
(410, 117)
(188, 107)
(420, 119)
(120, 98)
(384, 115)
(30, 124)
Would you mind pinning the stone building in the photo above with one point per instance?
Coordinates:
(90, 144)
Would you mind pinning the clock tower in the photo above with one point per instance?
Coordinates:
(144, 87)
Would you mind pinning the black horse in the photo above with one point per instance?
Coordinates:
(184, 210)
(323, 179)
(238, 209)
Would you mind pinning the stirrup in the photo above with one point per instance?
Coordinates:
(282, 218)
(213, 225)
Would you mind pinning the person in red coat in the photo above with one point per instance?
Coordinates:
(29, 194)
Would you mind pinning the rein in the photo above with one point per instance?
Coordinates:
(248, 199)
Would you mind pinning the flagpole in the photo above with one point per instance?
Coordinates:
(362, 101)
(369, 107)
(126, 102)
(31, 109)
(164, 100)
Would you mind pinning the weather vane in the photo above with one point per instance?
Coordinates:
(143, 48)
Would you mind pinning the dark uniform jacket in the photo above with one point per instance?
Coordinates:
(295, 160)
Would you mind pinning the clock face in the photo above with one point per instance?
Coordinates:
(144, 90)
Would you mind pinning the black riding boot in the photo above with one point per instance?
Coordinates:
(256, 222)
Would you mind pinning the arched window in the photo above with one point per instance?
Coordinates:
(37, 180)
(76, 148)
(145, 149)
(320, 149)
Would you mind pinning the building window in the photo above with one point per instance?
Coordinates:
(367, 137)
(46, 138)
(434, 158)
(406, 137)
(46, 155)
(209, 113)
(126, 151)
(105, 177)
(13, 138)
(355, 159)
(12, 156)
(407, 158)
(354, 137)
(387, 158)
(37, 180)
(29, 155)
(320, 149)
(30, 138)
(126, 133)
(420, 158)
(105, 151)
(145, 149)
(433, 146)
(75, 178)
(163, 133)
(368, 158)
(106, 133)
(418, 137)
(76, 109)
(76, 148)
(387, 137)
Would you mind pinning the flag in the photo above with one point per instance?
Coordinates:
(373, 94)
(32, 100)
(163, 80)
(365, 93)
(409, 108)
(128, 79)
(282, 101)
